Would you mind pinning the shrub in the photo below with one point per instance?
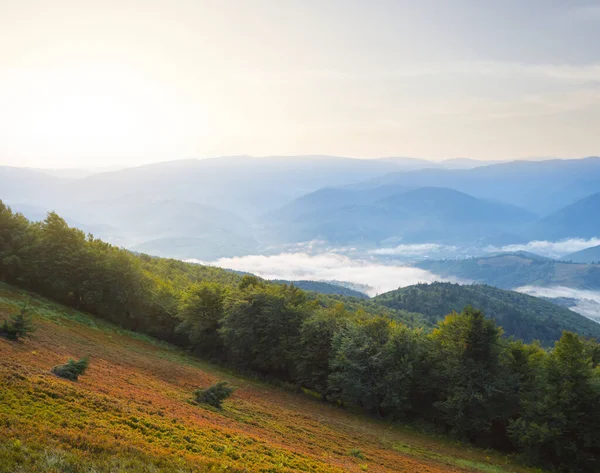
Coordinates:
(215, 394)
(355, 452)
(18, 326)
(72, 369)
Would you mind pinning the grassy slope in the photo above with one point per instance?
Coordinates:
(131, 412)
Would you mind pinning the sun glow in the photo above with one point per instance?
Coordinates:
(100, 110)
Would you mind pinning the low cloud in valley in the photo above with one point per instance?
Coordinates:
(586, 302)
(552, 249)
(423, 249)
(329, 267)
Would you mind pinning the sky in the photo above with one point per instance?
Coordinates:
(127, 82)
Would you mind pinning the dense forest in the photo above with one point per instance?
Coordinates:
(463, 377)
(520, 315)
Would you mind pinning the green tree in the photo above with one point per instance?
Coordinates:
(407, 372)
(262, 331)
(522, 364)
(61, 261)
(19, 325)
(374, 364)
(468, 347)
(250, 282)
(316, 337)
(72, 369)
(214, 395)
(354, 367)
(114, 286)
(560, 423)
(201, 310)
(16, 237)
(593, 349)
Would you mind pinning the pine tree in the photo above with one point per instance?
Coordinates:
(560, 423)
(72, 369)
(19, 326)
(215, 394)
(468, 346)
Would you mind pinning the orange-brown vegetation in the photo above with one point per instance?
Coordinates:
(133, 411)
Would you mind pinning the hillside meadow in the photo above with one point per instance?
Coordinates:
(133, 411)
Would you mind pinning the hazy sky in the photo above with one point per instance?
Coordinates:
(92, 83)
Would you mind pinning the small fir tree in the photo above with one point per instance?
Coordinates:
(19, 325)
(215, 394)
(72, 369)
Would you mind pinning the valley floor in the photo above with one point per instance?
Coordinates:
(132, 412)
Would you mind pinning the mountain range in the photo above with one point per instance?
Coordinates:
(232, 206)
(389, 215)
(539, 186)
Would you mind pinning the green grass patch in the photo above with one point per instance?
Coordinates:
(421, 452)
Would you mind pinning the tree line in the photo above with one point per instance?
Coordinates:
(463, 377)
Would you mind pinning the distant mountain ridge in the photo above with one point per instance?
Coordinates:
(271, 202)
(589, 255)
(237, 183)
(539, 186)
(513, 270)
(359, 213)
(331, 199)
(580, 219)
(394, 214)
(195, 207)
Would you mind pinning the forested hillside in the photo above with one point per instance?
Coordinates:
(139, 292)
(149, 294)
(464, 378)
(520, 315)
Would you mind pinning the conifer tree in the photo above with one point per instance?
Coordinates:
(72, 369)
(19, 325)
(215, 394)
(469, 346)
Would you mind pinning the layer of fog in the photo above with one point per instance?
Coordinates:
(423, 249)
(584, 302)
(551, 249)
(329, 267)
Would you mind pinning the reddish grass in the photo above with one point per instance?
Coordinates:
(135, 401)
